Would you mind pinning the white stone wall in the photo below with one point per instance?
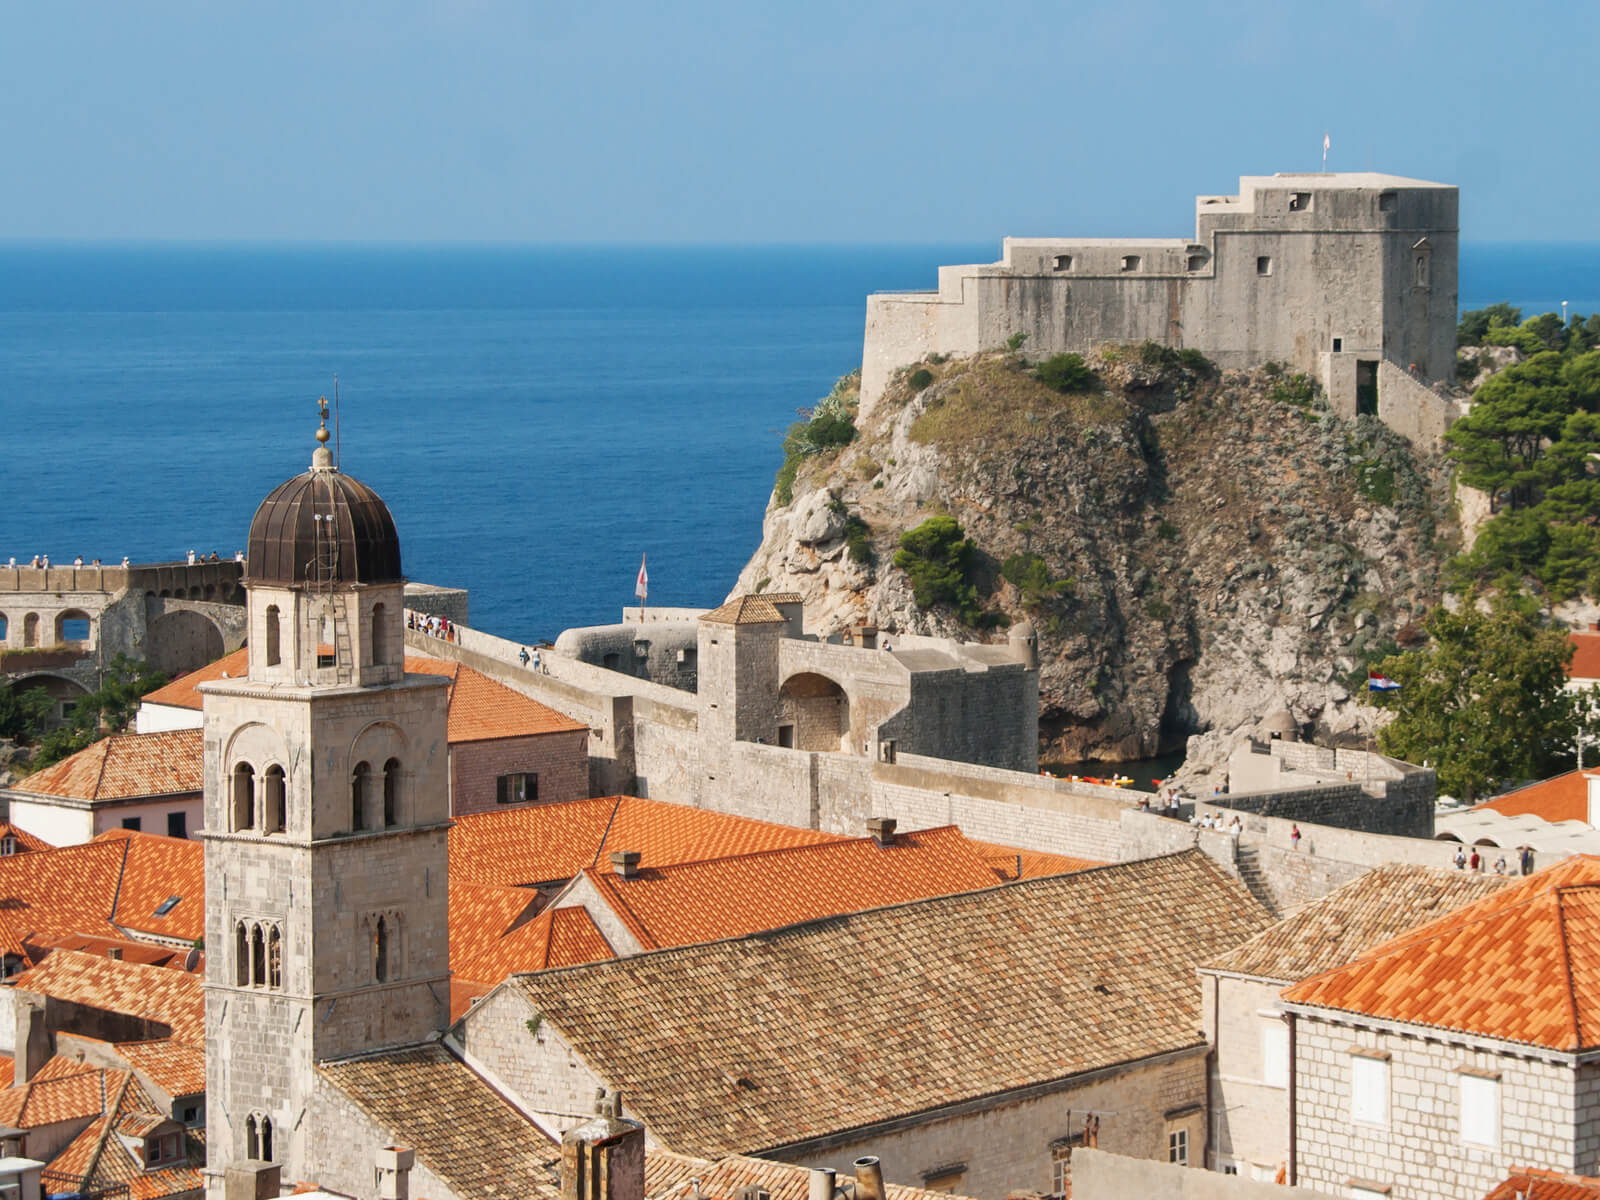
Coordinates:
(1419, 1152)
(529, 1057)
(1249, 1116)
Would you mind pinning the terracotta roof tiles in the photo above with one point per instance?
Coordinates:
(668, 1176)
(677, 904)
(25, 840)
(1561, 798)
(125, 766)
(901, 1009)
(173, 998)
(1520, 965)
(1003, 861)
(175, 1068)
(1351, 919)
(1585, 662)
(745, 610)
(496, 932)
(546, 843)
(1530, 1184)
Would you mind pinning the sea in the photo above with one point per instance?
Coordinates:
(538, 418)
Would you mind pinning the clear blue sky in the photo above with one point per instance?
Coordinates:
(750, 121)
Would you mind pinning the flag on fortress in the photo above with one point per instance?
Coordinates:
(642, 588)
(1381, 683)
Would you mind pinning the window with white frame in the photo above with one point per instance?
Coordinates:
(1480, 1110)
(1178, 1147)
(1275, 1054)
(1061, 1164)
(1369, 1089)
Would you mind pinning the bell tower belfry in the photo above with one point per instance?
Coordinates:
(326, 814)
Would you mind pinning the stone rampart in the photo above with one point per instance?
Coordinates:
(1101, 1175)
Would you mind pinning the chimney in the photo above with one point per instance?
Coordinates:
(394, 1172)
(821, 1184)
(882, 831)
(869, 1178)
(19, 1177)
(603, 1159)
(626, 863)
(32, 1045)
(252, 1181)
(114, 953)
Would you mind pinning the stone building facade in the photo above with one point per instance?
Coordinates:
(1331, 274)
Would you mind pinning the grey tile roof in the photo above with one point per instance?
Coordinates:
(789, 1035)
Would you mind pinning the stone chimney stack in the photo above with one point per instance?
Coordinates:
(821, 1184)
(252, 1181)
(32, 1045)
(626, 863)
(882, 831)
(869, 1178)
(604, 1158)
(394, 1172)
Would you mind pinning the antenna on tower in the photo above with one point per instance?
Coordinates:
(338, 446)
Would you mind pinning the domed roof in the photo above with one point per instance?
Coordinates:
(323, 527)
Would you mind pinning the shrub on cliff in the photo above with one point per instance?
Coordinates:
(937, 556)
(1030, 575)
(828, 426)
(1066, 373)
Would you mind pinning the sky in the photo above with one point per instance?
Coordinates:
(758, 122)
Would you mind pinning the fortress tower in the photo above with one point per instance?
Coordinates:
(1349, 278)
(326, 813)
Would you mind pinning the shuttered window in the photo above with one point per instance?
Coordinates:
(1275, 1054)
(1369, 1090)
(1480, 1110)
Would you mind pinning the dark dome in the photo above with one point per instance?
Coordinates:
(363, 546)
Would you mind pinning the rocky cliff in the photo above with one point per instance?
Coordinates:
(1195, 550)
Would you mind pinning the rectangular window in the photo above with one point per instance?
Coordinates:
(1480, 1110)
(1388, 201)
(1197, 262)
(1130, 262)
(131, 822)
(517, 789)
(1275, 1054)
(1061, 1164)
(1369, 1089)
(1063, 262)
(944, 1179)
(1178, 1147)
(178, 824)
(1264, 264)
(1299, 201)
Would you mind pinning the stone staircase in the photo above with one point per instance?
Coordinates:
(1248, 862)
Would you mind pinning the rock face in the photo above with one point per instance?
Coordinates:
(1195, 551)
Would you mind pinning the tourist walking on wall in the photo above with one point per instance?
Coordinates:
(1461, 859)
(1294, 837)
(523, 657)
(1527, 860)
(1474, 861)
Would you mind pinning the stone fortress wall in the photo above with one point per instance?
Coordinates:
(1331, 274)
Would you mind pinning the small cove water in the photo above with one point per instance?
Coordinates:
(535, 417)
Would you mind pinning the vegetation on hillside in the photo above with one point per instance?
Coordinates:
(25, 712)
(827, 427)
(937, 557)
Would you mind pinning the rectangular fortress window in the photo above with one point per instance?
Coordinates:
(1130, 262)
(1388, 201)
(1063, 262)
(1264, 265)
(1197, 262)
(1338, 345)
(1300, 202)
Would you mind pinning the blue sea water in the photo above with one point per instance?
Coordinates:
(536, 418)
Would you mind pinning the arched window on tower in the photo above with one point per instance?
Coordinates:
(275, 800)
(258, 957)
(380, 635)
(360, 789)
(274, 958)
(252, 1138)
(380, 950)
(241, 955)
(274, 651)
(244, 796)
(391, 793)
(266, 1139)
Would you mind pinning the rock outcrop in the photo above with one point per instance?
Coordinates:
(1195, 550)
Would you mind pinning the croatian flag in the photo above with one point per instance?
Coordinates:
(1381, 683)
(642, 588)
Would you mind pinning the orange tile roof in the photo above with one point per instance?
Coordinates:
(546, 843)
(497, 931)
(65, 1094)
(1003, 861)
(1527, 1183)
(1585, 662)
(481, 708)
(155, 870)
(679, 904)
(669, 1176)
(175, 1068)
(745, 610)
(1521, 965)
(1562, 798)
(173, 998)
(25, 840)
(124, 766)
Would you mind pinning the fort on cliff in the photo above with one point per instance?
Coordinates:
(1349, 278)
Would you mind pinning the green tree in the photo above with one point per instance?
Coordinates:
(23, 712)
(1066, 373)
(937, 556)
(1483, 700)
(1515, 414)
(1475, 324)
(106, 710)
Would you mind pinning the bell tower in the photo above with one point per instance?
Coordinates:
(326, 813)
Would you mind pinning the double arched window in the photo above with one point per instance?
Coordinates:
(258, 1137)
(364, 812)
(258, 954)
(266, 811)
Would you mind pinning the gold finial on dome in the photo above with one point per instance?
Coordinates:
(322, 457)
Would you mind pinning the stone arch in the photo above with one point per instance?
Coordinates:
(63, 690)
(183, 640)
(74, 626)
(379, 741)
(1444, 835)
(813, 713)
(1487, 841)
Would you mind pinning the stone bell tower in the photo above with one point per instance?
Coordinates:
(326, 811)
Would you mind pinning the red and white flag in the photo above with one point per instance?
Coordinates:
(642, 588)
